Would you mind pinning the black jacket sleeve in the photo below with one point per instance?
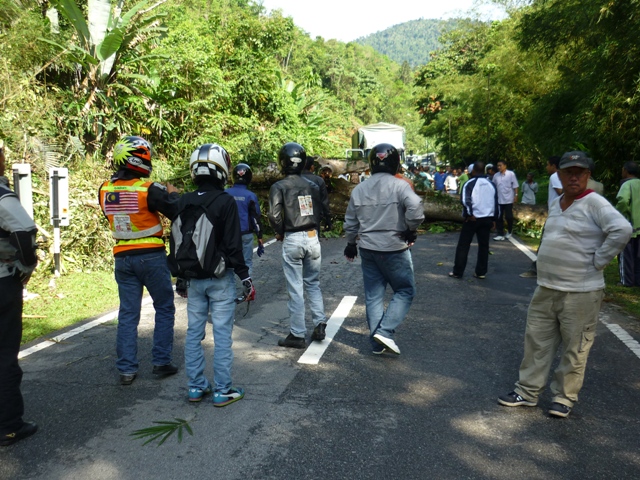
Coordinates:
(159, 200)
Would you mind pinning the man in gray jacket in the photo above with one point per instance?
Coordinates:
(384, 213)
(17, 261)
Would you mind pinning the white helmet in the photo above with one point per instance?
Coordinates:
(210, 159)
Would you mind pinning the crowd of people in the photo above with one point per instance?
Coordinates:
(212, 239)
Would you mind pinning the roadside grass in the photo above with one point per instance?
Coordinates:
(626, 297)
(72, 298)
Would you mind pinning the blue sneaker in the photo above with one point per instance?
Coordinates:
(196, 393)
(223, 399)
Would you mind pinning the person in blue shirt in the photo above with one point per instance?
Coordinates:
(249, 212)
(439, 178)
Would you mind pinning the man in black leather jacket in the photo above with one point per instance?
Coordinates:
(294, 204)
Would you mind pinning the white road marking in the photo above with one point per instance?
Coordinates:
(105, 318)
(63, 336)
(614, 328)
(523, 248)
(622, 335)
(270, 242)
(312, 354)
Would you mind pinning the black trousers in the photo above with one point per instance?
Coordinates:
(11, 405)
(506, 211)
(481, 228)
(629, 263)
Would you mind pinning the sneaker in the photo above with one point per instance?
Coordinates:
(507, 235)
(319, 332)
(127, 378)
(481, 277)
(196, 393)
(26, 430)
(223, 399)
(453, 275)
(559, 410)
(387, 342)
(499, 238)
(165, 370)
(529, 274)
(512, 399)
(292, 341)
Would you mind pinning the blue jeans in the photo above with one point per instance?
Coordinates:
(301, 260)
(380, 269)
(247, 251)
(133, 272)
(215, 295)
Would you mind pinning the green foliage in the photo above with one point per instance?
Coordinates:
(162, 431)
(67, 300)
(556, 76)
(411, 42)
(179, 73)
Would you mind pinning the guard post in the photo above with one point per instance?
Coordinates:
(22, 186)
(58, 208)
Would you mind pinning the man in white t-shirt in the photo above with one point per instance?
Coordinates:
(555, 190)
(555, 186)
(507, 185)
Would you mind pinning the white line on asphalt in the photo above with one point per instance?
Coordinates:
(272, 241)
(105, 318)
(312, 354)
(63, 336)
(523, 248)
(623, 336)
(616, 329)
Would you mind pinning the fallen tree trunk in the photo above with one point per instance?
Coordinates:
(437, 206)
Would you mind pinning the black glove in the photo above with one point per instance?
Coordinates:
(182, 285)
(260, 251)
(248, 291)
(409, 236)
(351, 251)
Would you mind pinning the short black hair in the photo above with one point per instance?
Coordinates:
(554, 160)
(478, 167)
(632, 168)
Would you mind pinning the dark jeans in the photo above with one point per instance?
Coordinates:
(481, 228)
(505, 210)
(11, 405)
(132, 273)
(629, 263)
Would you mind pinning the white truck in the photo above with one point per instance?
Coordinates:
(369, 136)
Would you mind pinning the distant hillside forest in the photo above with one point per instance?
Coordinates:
(411, 41)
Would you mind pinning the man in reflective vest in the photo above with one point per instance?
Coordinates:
(132, 206)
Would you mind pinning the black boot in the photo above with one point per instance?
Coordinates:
(318, 332)
(292, 342)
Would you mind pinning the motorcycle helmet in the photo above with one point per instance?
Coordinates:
(384, 158)
(133, 153)
(292, 158)
(242, 174)
(210, 160)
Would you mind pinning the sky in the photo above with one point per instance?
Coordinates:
(347, 20)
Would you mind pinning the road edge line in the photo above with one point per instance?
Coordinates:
(314, 352)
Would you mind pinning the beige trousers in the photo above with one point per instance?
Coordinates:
(556, 317)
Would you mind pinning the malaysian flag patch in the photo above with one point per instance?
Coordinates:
(120, 202)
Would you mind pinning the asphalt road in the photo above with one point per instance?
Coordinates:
(430, 413)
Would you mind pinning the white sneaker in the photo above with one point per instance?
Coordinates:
(387, 342)
(498, 238)
(507, 235)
